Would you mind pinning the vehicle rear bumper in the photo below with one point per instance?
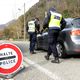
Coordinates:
(72, 49)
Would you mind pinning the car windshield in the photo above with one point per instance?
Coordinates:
(76, 23)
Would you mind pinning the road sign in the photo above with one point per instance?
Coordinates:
(10, 58)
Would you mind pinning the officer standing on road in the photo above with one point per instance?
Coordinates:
(55, 22)
(33, 28)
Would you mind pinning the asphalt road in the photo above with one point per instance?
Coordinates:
(37, 68)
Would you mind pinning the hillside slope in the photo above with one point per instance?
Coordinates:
(68, 8)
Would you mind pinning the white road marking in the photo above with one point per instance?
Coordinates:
(47, 72)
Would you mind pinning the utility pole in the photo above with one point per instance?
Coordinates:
(24, 24)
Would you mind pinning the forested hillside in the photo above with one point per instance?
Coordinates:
(68, 8)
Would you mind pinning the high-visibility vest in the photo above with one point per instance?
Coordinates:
(31, 26)
(55, 19)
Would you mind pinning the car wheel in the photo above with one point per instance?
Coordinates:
(61, 50)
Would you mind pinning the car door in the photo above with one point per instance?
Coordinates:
(45, 40)
(39, 41)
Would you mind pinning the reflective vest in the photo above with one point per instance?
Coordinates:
(31, 26)
(55, 19)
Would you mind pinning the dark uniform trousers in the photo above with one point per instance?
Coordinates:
(32, 41)
(52, 40)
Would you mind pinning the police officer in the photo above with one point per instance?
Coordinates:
(55, 22)
(33, 28)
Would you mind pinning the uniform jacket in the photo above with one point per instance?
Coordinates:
(47, 20)
(37, 25)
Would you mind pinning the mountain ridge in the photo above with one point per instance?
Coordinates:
(3, 26)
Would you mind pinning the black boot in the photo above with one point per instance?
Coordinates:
(47, 57)
(56, 60)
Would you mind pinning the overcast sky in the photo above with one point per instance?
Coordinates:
(11, 9)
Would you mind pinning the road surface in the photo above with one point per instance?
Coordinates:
(37, 68)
